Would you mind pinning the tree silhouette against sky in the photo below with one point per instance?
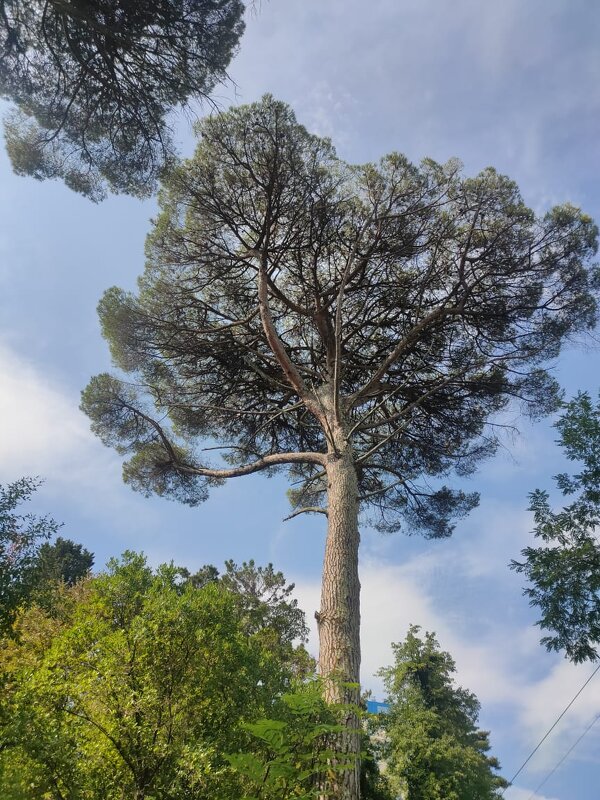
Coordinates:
(94, 84)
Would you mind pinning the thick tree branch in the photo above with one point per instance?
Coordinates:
(271, 460)
(337, 365)
(290, 371)
(264, 462)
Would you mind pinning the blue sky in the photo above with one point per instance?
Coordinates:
(514, 84)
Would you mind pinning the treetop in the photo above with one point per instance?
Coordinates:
(288, 293)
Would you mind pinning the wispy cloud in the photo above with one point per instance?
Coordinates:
(395, 597)
(490, 83)
(44, 434)
(42, 430)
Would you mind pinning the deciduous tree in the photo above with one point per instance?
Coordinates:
(62, 562)
(294, 750)
(135, 686)
(564, 572)
(20, 538)
(94, 83)
(266, 606)
(434, 748)
(357, 326)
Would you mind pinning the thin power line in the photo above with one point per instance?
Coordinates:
(564, 758)
(550, 729)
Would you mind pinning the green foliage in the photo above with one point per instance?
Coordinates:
(266, 608)
(94, 83)
(118, 417)
(62, 561)
(266, 599)
(434, 750)
(374, 783)
(31, 568)
(135, 685)
(20, 537)
(564, 572)
(296, 758)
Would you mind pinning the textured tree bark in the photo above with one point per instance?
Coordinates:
(339, 616)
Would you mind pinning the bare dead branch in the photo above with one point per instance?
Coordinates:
(307, 510)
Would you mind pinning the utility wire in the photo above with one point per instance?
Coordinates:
(549, 731)
(564, 758)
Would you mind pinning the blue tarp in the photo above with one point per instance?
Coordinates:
(373, 707)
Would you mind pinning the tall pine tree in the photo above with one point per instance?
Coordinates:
(357, 326)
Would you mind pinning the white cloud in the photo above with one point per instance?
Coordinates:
(45, 434)
(392, 599)
(491, 83)
(518, 793)
(43, 431)
(543, 701)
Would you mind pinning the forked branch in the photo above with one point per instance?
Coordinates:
(261, 463)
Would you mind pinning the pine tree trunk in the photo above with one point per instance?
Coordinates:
(339, 616)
